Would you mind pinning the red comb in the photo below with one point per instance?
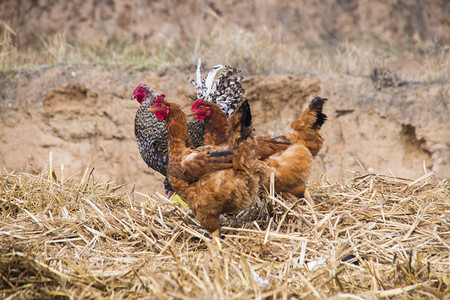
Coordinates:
(196, 103)
(136, 90)
(159, 98)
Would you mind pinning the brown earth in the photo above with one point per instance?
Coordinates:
(174, 21)
(85, 115)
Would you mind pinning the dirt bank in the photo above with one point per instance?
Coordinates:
(167, 22)
(84, 114)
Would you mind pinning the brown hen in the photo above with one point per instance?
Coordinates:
(213, 180)
(288, 157)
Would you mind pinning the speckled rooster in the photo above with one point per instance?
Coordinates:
(151, 133)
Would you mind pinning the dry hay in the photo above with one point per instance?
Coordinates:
(89, 240)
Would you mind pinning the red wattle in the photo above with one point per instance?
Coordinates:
(159, 116)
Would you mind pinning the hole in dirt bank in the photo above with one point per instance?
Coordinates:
(414, 147)
(70, 97)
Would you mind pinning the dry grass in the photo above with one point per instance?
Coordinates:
(264, 52)
(75, 240)
(8, 51)
(261, 51)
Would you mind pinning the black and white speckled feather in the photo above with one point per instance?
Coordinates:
(227, 91)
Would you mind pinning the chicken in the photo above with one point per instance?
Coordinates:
(213, 180)
(151, 134)
(289, 157)
(216, 125)
(215, 120)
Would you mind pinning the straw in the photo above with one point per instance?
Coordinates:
(68, 239)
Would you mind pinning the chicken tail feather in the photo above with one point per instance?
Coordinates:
(307, 127)
(240, 125)
(220, 153)
(317, 106)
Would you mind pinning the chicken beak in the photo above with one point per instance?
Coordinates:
(190, 117)
(151, 109)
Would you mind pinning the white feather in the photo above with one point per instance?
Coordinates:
(231, 92)
(210, 79)
(199, 75)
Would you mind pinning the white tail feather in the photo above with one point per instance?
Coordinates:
(210, 79)
(199, 75)
(226, 91)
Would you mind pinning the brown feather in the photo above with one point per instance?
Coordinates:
(213, 180)
(216, 131)
(289, 157)
(268, 146)
(307, 127)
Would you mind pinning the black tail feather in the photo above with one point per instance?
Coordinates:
(220, 153)
(240, 122)
(317, 105)
(240, 125)
(246, 119)
(280, 143)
